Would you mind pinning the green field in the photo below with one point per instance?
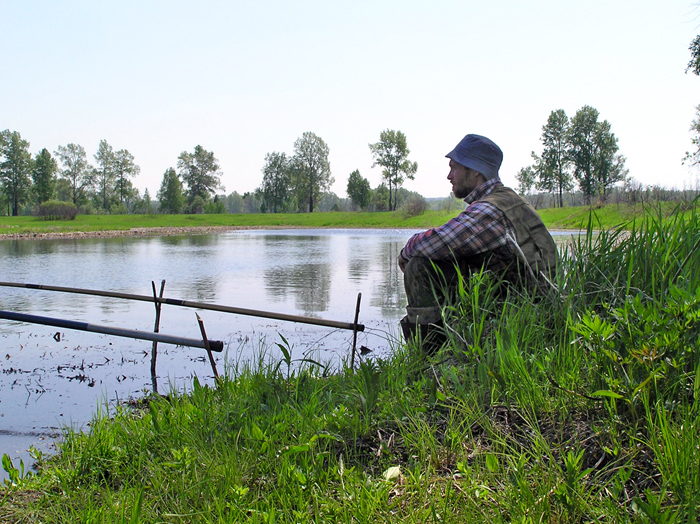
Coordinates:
(563, 218)
(580, 406)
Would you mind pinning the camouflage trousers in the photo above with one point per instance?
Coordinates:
(427, 282)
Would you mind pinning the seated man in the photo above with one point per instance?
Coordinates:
(498, 231)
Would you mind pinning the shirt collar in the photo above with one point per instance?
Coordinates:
(483, 190)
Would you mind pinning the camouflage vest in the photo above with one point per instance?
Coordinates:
(532, 236)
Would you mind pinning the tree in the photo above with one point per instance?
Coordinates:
(251, 203)
(391, 153)
(526, 179)
(124, 168)
(276, 184)
(142, 206)
(359, 190)
(552, 167)
(15, 169)
(582, 149)
(75, 169)
(380, 198)
(170, 195)
(593, 152)
(694, 64)
(609, 165)
(104, 171)
(693, 158)
(44, 176)
(311, 171)
(200, 172)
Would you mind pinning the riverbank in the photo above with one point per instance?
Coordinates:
(580, 407)
(134, 232)
(84, 226)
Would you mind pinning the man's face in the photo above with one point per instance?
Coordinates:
(463, 180)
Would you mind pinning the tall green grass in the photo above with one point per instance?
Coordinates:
(581, 406)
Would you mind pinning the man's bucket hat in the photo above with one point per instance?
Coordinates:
(478, 153)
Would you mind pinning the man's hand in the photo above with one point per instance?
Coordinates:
(402, 261)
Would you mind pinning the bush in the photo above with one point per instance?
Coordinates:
(55, 210)
(118, 209)
(215, 207)
(413, 206)
(196, 207)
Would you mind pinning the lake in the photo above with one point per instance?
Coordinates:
(53, 377)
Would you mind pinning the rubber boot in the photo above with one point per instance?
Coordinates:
(431, 337)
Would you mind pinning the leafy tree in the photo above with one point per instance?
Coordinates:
(582, 136)
(526, 179)
(276, 184)
(694, 64)
(15, 168)
(104, 171)
(64, 192)
(380, 198)
(170, 195)
(329, 201)
(552, 167)
(146, 202)
(251, 203)
(391, 153)
(311, 171)
(593, 152)
(124, 168)
(693, 158)
(359, 190)
(75, 169)
(216, 206)
(142, 206)
(44, 176)
(200, 172)
(609, 165)
(234, 203)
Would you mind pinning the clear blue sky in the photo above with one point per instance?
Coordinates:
(246, 78)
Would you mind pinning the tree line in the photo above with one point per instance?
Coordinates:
(581, 149)
(67, 176)
(290, 183)
(294, 183)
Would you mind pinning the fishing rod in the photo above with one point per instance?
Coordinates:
(198, 305)
(214, 345)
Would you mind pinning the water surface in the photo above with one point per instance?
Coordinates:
(51, 380)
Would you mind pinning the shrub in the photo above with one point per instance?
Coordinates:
(118, 209)
(56, 210)
(413, 206)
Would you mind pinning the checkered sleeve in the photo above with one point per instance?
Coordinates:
(480, 228)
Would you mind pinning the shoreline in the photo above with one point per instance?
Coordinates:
(168, 231)
(136, 232)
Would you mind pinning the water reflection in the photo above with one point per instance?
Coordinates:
(309, 273)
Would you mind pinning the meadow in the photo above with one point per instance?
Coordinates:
(607, 216)
(578, 406)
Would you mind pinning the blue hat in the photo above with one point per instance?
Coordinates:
(478, 153)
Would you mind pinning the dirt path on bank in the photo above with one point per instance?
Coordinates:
(137, 232)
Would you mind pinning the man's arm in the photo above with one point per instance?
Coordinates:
(480, 228)
(402, 261)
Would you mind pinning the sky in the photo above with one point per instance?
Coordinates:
(246, 78)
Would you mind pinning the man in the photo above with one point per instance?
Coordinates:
(498, 232)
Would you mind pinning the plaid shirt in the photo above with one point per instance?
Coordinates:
(481, 227)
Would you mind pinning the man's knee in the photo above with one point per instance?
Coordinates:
(426, 280)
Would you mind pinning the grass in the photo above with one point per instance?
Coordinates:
(91, 223)
(561, 218)
(582, 406)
